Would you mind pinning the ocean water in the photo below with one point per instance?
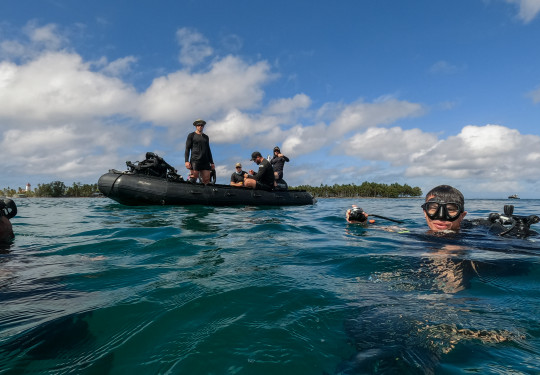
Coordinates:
(93, 287)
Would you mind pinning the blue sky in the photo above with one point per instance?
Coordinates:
(423, 93)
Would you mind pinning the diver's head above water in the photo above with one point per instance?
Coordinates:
(444, 208)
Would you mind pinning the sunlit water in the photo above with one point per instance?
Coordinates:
(93, 287)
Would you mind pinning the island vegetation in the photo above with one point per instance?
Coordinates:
(55, 189)
(366, 190)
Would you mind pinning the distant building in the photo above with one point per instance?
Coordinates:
(28, 187)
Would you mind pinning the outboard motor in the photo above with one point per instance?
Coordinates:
(8, 208)
(514, 225)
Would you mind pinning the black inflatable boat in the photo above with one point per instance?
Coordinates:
(154, 182)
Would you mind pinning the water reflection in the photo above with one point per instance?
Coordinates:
(422, 315)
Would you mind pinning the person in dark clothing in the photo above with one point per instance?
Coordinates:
(278, 161)
(8, 209)
(237, 178)
(264, 178)
(201, 160)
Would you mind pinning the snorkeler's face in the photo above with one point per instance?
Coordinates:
(443, 216)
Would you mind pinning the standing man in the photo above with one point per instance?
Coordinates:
(237, 178)
(264, 178)
(278, 162)
(201, 160)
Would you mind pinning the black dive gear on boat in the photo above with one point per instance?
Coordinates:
(154, 166)
(513, 225)
(8, 208)
(445, 211)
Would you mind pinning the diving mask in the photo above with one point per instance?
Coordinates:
(443, 211)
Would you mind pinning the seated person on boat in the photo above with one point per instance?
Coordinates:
(237, 178)
(264, 178)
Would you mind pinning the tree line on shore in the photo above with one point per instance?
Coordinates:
(55, 189)
(366, 189)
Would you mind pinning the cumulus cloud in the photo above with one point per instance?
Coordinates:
(490, 152)
(288, 105)
(229, 83)
(119, 66)
(66, 151)
(273, 124)
(382, 111)
(238, 126)
(394, 145)
(59, 86)
(528, 9)
(195, 48)
(38, 40)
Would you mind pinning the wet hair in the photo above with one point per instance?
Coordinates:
(446, 193)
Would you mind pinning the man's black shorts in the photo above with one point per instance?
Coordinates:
(264, 187)
(201, 166)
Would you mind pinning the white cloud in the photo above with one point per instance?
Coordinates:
(288, 105)
(528, 9)
(57, 87)
(195, 48)
(180, 97)
(46, 35)
(491, 152)
(67, 151)
(361, 115)
(39, 39)
(443, 67)
(119, 67)
(394, 145)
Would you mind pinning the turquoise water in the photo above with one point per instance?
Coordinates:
(93, 287)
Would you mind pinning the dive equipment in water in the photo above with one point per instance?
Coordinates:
(519, 226)
(8, 208)
(387, 218)
(445, 211)
(357, 214)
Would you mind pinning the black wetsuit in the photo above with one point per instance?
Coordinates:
(201, 155)
(265, 176)
(277, 163)
(235, 177)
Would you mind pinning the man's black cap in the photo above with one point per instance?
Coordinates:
(255, 155)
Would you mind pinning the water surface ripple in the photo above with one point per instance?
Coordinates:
(93, 287)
